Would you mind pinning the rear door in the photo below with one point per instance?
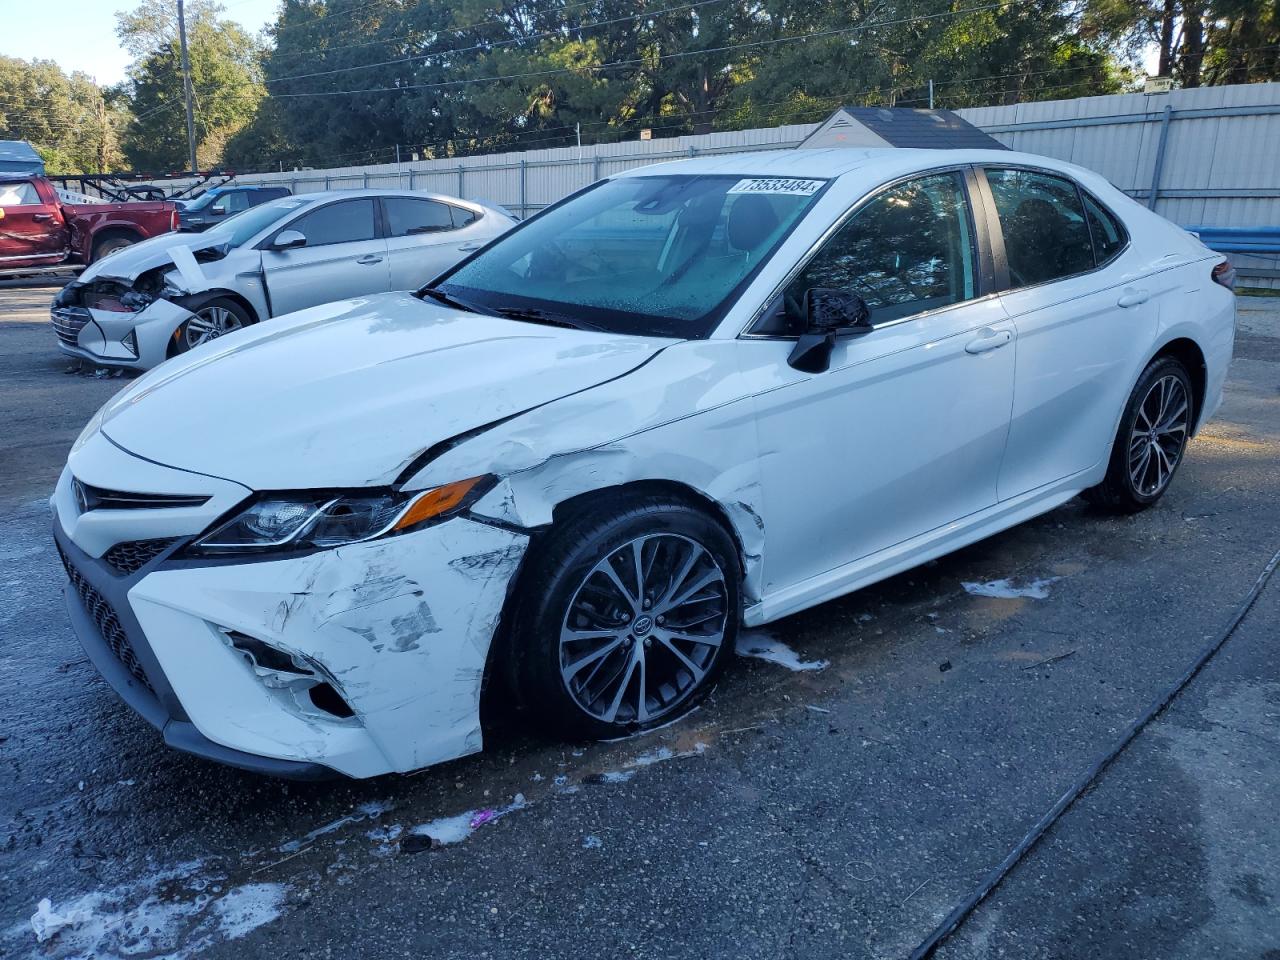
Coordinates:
(31, 230)
(423, 239)
(345, 256)
(1084, 314)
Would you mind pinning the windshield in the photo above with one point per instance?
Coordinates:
(240, 227)
(661, 256)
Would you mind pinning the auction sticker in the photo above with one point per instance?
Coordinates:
(778, 185)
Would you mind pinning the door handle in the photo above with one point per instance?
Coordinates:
(471, 245)
(369, 258)
(1132, 297)
(42, 216)
(990, 340)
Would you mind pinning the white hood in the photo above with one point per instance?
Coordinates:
(349, 393)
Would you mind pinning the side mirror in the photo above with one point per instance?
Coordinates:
(829, 313)
(218, 210)
(288, 240)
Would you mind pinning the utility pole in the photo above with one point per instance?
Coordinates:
(186, 85)
(930, 94)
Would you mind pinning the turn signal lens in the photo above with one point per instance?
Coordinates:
(437, 501)
(1225, 274)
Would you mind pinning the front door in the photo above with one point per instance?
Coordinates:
(344, 257)
(905, 431)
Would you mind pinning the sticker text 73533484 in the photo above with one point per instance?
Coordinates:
(778, 185)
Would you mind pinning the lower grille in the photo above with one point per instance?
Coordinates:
(132, 556)
(68, 322)
(108, 624)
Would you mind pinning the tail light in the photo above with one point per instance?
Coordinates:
(1225, 274)
(173, 219)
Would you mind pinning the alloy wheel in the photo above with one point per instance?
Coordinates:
(643, 629)
(1158, 436)
(209, 323)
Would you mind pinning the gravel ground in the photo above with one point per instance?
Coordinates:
(839, 812)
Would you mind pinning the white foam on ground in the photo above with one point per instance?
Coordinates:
(1011, 589)
(177, 913)
(455, 829)
(758, 644)
(366, 811)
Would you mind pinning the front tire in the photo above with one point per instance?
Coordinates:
(630, 614)
(1151, 441)
(213, 318)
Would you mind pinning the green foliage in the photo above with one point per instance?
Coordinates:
(225, 77)
(73, 123)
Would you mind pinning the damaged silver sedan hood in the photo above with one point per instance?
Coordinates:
(133, 261)
(350, 393)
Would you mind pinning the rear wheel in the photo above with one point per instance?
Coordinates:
(109, 245)
(211, 319)
(631, 615)
(1152, 439)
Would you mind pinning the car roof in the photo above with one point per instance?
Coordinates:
(377, 192)
(876, 163)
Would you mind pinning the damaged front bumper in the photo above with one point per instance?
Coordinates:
(364, 659)
(110, 338)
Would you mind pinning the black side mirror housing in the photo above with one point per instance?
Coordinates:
(829, 313)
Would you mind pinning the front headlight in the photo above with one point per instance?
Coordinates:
(310, 520)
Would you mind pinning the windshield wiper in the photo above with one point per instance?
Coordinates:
(533, 315)
(448, 300)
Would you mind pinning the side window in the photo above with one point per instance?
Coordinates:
(1108, 236)
(20, 194)
(908, 250)
(407, 217)
(1045, 234)
(344, 222)
(236, 201)
(463, 217)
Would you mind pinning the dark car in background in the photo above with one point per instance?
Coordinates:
(214, 206)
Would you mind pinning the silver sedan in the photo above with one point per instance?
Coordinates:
(168, 294)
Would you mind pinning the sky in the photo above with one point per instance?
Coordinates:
(81, 34)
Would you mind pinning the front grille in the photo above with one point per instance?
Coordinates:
(108, 624)
(90, 497)
(132, 556)
(68, 322)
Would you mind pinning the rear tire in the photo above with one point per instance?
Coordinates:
(109, 245)
(629, 614)
(1151, 441)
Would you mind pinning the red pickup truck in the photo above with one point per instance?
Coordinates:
(38, 230)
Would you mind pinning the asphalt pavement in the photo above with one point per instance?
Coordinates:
(833, 812)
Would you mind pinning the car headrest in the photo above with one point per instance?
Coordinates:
(751, 222)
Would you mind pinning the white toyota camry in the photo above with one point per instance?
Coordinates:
(692, 397)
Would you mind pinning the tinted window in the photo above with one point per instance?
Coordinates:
(406, 217)
(1045, 235)
(908, 250)
(18, 194)
(235, 201)
(462, 216)
(1108, 236)
(343, 222)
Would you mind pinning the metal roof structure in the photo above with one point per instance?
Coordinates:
(18, 156)
(898, 127)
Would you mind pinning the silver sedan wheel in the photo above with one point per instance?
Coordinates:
(209, 323)
(1158, 436)
(643, 629)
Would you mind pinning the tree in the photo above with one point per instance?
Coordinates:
(70, 120)
(225, 76)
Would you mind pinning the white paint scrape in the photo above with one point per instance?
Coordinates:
(1011, 589)
(758, 644)
(178, 913)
